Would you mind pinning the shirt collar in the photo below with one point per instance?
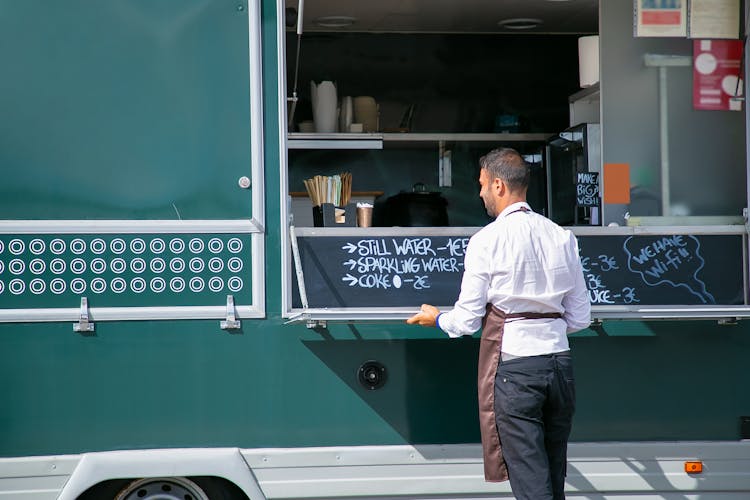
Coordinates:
(512, 208)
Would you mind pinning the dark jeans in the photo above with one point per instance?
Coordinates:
(534, 406)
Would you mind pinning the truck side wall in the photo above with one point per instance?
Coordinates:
(164, 384)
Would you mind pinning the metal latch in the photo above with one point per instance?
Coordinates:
(83, 325)
(231, 323)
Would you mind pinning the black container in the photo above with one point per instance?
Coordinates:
(420, 208)
(325, 215)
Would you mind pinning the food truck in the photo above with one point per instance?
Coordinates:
(183, 316)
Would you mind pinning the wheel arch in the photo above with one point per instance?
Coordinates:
(225, 463)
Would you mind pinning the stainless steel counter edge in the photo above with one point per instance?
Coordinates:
(468, 231)
(725, 314)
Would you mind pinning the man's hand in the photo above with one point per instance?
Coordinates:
(425, 317)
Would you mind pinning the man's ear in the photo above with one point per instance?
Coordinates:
(499, 186)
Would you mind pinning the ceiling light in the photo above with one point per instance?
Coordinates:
(335, 21)
(520, 23)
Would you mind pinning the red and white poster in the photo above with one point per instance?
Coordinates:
(660, 18)
(717, 82)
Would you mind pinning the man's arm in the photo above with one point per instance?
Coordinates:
(577, 305)
(469, 309)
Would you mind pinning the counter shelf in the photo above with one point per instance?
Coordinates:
(377, 140)
(383, 274)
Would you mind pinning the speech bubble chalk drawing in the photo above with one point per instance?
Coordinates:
(668, 259)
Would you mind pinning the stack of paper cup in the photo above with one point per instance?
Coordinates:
(588, 60)
(366, 113)
(346, 113)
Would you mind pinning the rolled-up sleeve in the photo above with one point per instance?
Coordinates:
(576, 303)
(466, 316)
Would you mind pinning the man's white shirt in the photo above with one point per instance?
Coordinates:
(522, 262)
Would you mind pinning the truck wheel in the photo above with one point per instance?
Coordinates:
(162, 488)
(181, 488)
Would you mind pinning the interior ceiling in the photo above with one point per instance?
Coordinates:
(452, 16)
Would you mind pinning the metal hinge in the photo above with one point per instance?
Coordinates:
(316, 323)
(83, 325)
(231, 323)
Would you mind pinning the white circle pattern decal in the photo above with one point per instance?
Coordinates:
(138, 285)
(78, 285)
(137, 246)
(197, 265)
(117, 246)
(215, 245)
(98, 265)
(16, 247)
(215, 265)
(57, 286)
(94, 265)
(57, 246)
(37, 286)
(16, 266)
(157, 265)
(157, 245)
(216, 284)
(57, 266)
(78, 246)
(197, 284)
(37, 246)
(177, 265)
(137, 265)
(37, 266)
(234, 264)
(235, 284)
(98, 246)
(118, 285)
(196, 245)
(158, 285)
(176, 245)
(177, 284)
(78, 266)
(234, 245)
(16, 286)
(98, 285)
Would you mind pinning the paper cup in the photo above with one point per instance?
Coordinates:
(364, 216)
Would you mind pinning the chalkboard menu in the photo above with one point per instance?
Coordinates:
(663, 269)
(381, 271)
(397, 271)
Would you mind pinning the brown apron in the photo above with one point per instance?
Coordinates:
(490, 346)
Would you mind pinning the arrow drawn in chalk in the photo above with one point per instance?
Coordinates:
(351, 263)
(350, 279)
(349, 247)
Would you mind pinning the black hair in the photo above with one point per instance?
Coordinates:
(507, 165)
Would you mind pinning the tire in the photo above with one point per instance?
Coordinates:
(218, 488)
(203, 487)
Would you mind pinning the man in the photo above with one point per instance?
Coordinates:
(523, 283)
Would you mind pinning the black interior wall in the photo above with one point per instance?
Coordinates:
(459, 83)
